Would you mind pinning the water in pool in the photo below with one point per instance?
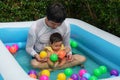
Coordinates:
(24, 60)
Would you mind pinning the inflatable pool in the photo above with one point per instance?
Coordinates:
(99, 47)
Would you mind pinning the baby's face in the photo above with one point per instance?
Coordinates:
(56, 46)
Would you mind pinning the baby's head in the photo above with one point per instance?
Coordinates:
(56, 41)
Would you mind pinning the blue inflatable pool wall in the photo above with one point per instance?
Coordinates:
(103, 52)
(91, 45)
(11, 36)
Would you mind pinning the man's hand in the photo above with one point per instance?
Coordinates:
(39, 59)
(69, 57)
(67, 49)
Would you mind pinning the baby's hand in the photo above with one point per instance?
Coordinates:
(44, 59)
(56, 64)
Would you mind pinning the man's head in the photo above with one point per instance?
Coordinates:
(56, 14)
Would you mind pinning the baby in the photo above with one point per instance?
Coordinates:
(56, 46)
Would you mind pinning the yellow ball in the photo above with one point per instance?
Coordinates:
(45, 72)
(43, 54)
(61, 76)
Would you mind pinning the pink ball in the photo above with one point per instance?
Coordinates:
(43, 77)
(16, 46)
(8, 47)
(82, 72)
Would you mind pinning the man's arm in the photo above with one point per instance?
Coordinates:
(66, 39)
(31, 41)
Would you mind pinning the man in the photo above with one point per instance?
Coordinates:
(40, 32)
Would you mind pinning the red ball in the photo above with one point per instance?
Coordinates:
(13, 49)
(61, 54)
(16, 46)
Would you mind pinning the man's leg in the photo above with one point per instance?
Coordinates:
(40, 65)
(78, 59)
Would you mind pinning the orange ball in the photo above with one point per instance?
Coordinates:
(13, 49)
(61, 54)
(33, 76)
(70, 79)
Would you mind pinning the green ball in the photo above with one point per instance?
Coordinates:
(74, 44)
(93, 78)
(53, 57)
(71, 42)
(68, 71)
(103, 69)
(97, 72)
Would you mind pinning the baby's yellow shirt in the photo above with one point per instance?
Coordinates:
(51, 50)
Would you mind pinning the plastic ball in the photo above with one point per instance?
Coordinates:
(43, 77)
(33, 76)
(61, 54)
(75, 77)
(32, 72)
(103, 69)
(21, 45)
(45, 72)
(43, 54)
(74, 44)
(82, 72)
(70, 79)
(16, 46)
(97, 72)
(61, 76)
(71, 42)
(8, 47)
(68, 72)
(93, 78)
(83, 78)
(114, 72)
(112, 76)
(119, 75)
(53, 57)
(87, 75)
(13, 49)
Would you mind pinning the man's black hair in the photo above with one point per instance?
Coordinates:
(56, 12)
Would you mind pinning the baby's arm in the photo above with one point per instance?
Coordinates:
(50, 63)
(62, 62)
(56, 64)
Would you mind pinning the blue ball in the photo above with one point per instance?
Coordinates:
(87, 75)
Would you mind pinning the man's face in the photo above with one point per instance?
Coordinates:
(52, 24)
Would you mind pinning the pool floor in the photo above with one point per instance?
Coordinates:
(24, 60)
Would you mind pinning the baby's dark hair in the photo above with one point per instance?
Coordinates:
(56, 12)
(55, 37)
